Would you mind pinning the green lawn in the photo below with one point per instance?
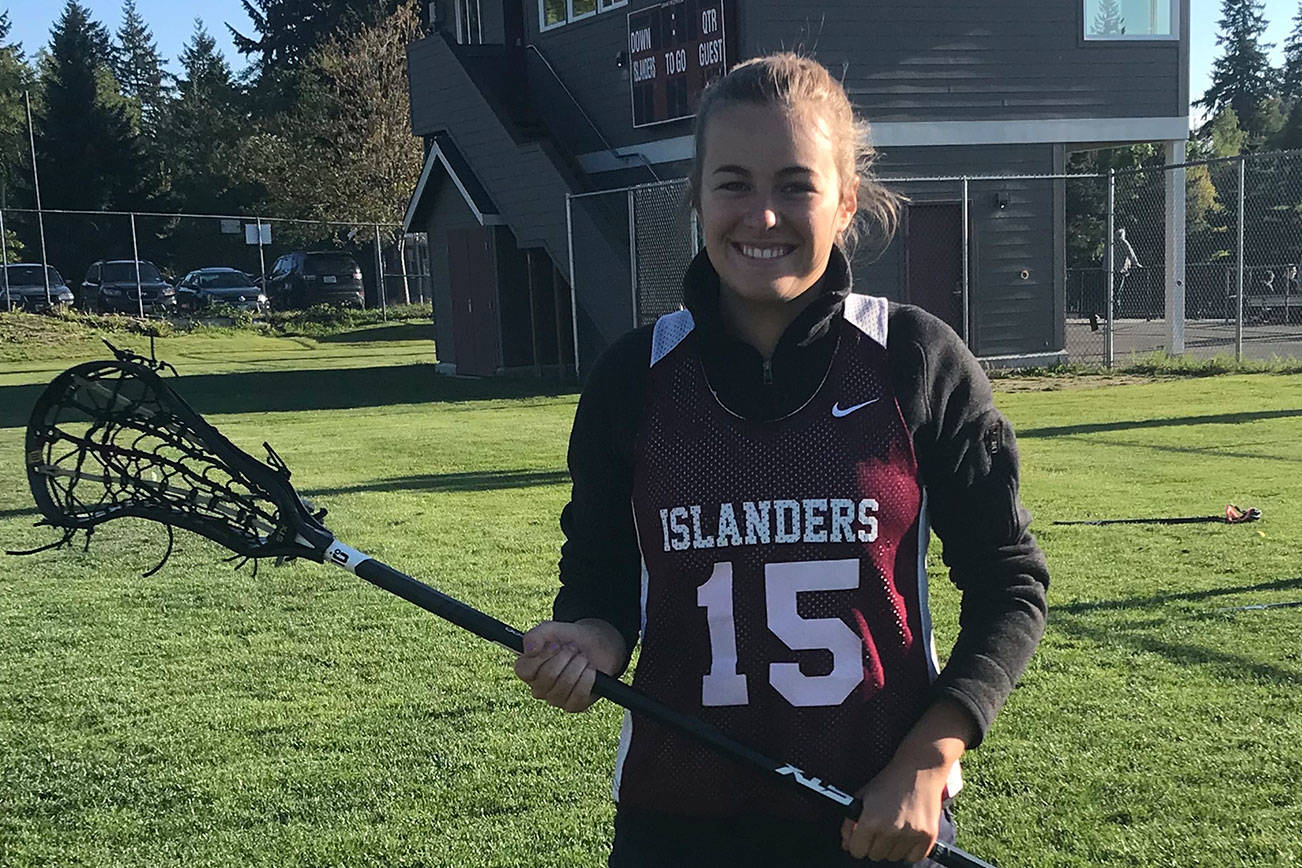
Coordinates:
(204, 717)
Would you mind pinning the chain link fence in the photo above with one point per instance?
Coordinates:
(629, 248)
(1199, 258)
(395, 267)
(1232, 285)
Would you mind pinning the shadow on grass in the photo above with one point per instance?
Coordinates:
(1233, 667)
(21, 512)
(330, 389)
(486, 480)
(1073, 619)
(416, 331)
(1218, 451)
(1130, 425)
(1158, 599)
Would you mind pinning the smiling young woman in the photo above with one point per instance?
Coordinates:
(772, 203)
(755, 482)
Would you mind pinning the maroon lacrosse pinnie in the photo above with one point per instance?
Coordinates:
(784, 583)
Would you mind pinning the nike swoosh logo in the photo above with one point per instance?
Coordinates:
(838, 412)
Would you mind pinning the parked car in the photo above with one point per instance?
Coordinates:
(204, 287)
(302, 279)
(111, 286)
(22, 284)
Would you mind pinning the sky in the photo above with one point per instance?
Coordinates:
(172, 22)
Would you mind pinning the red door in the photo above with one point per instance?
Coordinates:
(473, 289)
(934, 239)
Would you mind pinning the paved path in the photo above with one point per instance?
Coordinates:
(1203, 339)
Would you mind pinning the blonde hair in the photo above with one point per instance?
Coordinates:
(801, 84)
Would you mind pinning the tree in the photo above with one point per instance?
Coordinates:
(1087, 199)
(290, 30)
(15, 79)
(85, 131)
(204, 126)
(139, 67)
(1242, 76)
(347, 147)
(1108, 21)
(90, 154)
(1227, 138)
(1290, 85)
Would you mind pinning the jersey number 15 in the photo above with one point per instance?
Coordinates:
(724, 685)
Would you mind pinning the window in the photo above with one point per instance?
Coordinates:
(469, 27)
(222, 280)
(30, 275)
(1132, 19)
(125, 272)
(553, 13)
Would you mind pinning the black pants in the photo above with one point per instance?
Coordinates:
(645, 839)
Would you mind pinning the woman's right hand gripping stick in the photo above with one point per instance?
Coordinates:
(561, 660)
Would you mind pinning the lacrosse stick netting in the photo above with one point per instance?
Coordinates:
(110, 440)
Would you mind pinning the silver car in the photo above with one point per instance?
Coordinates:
(22, 286)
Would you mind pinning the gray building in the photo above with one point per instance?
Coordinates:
(527, 107)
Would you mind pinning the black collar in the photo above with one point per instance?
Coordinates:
(746, 383)
(701, 296)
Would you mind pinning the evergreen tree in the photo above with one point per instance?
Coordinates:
(139, 67)
(203, 128)
(290, 30)
(1108, 21)
(90, 155)
(1291, 79)
(1242, 76)
(15, 78)
(207, 75)
(1226, 136)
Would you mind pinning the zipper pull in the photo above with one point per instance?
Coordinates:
(768, 372)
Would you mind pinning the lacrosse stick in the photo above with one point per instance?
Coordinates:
(1232, 515)
(110, 439)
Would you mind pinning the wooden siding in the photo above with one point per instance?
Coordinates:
(1015, 59)
(920, 60)
(1009, 314)
(528, 182)
(446, 210)
(583, 55)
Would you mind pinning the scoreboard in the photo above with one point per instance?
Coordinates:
(675, 50)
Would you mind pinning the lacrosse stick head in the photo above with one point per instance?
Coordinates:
(111, 439)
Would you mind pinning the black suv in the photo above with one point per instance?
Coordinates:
(22, 285)
(300, 280)
(111, 286)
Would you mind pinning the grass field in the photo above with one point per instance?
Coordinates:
(202, 717)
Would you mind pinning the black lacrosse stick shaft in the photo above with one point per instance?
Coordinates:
(1232, 515)
(486, 626)
(1190, 519)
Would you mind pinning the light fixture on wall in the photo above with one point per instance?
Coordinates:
(621, 59)
(1001, 200)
